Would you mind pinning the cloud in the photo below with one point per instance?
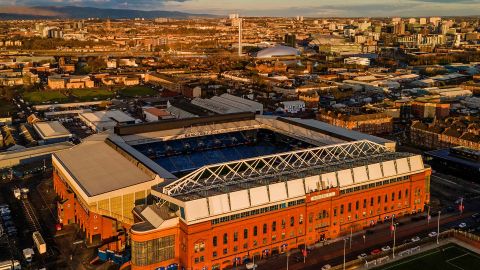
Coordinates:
(312, 8)
(139, 4)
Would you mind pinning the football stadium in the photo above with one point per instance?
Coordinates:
(215, 192)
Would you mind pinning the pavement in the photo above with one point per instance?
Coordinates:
(333, 253)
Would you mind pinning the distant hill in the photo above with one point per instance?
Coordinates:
(72, 12)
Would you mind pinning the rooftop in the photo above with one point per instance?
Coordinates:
(51, 130)
(98, 168)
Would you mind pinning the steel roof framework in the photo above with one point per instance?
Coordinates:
(246, 170)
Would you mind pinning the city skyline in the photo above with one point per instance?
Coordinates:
(308, 8)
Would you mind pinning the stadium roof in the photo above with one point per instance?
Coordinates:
(98, 168)
(107, 163)
(246, 170)
(278, 51)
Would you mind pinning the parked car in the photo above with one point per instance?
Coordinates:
(462, 225)
(386, 248)
(375, 251)
(326, 267)
(432, 234)
(362, 256)
(415, 239)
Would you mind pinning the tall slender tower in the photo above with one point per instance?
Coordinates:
(240, 22)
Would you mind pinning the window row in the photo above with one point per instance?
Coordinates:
(257, 211)
(264, 228)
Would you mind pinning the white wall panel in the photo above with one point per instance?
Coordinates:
(329, 179)
(402, 166)
(345, 178)
(375, 171)
(295, 188)
(218, 204)
(278, 192)
(259, 196)
(416, 163)
(389, 168)
(312, 183)
(360, 174)
(196, 209)
(239, 200)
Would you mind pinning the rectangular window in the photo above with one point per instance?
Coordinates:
(235, 236)
(335, 212)
(400, 195)
(341, 209)
(364, 203)
(274, 226)
(255, 231)
(378, 200)
(245, 233)
(356, 205)
(386, 198)
(393, 196)
(349, 207)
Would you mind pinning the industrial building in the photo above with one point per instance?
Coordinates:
(104, 120)
(458, 160)
(213, 192)
(51, 132)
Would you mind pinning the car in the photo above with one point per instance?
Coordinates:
(362, 256)
(415, 239)
(432, 234)
(386, 248)
(462, 225)
(375, 251)
(250, 265)
(326, 267)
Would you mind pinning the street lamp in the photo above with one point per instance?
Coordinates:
(351, 236)
(344, 247)
(288, 254)
(428, 214)
(394, 238)
(438, 225)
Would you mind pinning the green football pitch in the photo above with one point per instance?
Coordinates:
(448, 257)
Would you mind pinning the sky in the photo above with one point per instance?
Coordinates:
(307, 8)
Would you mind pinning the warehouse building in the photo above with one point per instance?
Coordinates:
(51, 132)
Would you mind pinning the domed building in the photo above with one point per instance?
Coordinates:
(278, 51)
